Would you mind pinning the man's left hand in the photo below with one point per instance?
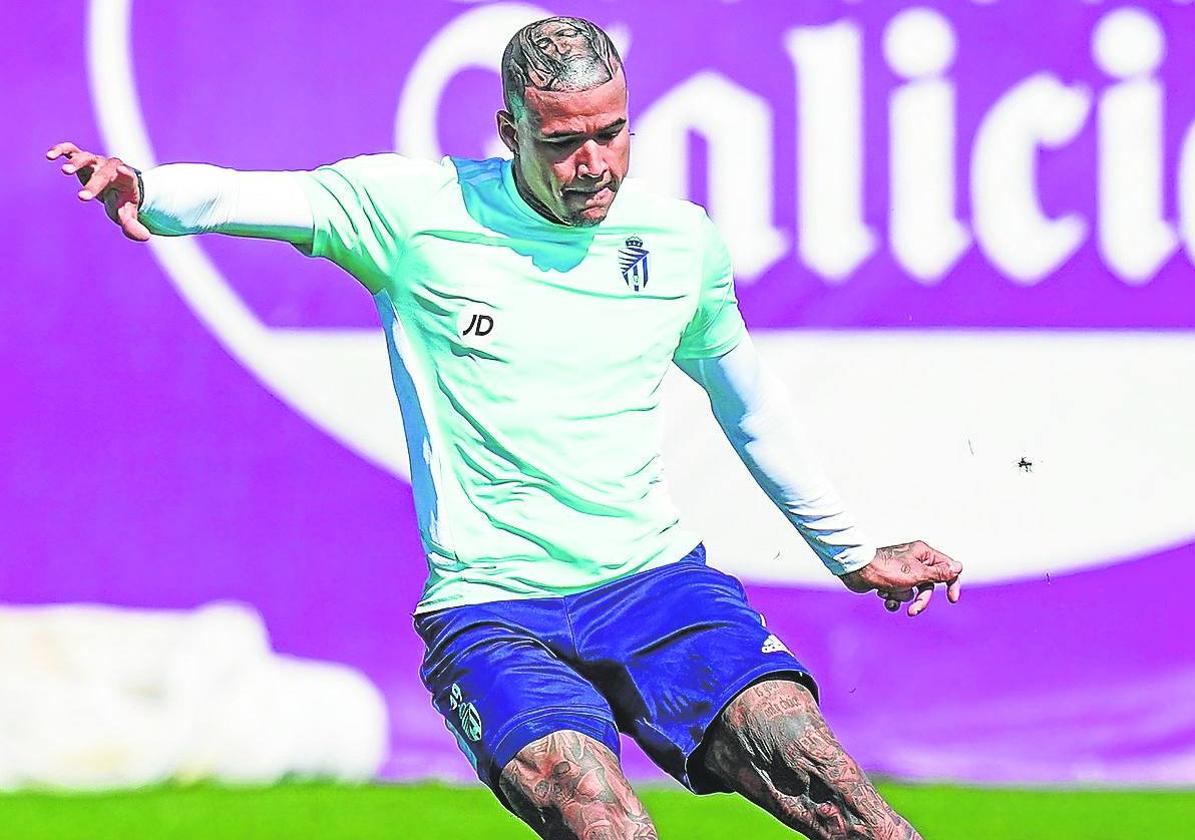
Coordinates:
(907, 572)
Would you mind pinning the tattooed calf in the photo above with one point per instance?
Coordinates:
(772, 746)
(567, 786)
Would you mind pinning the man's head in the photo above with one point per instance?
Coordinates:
(565, 119)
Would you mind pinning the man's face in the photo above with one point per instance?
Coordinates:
(571, 149)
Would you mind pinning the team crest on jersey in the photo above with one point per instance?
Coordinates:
(632, 259)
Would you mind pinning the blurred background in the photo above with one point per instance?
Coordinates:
(964, 236)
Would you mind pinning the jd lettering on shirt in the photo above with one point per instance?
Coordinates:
(475, 325)
(479, 325)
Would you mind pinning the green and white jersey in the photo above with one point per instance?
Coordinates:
(528, 359)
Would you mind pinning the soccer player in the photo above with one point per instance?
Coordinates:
(531, 309)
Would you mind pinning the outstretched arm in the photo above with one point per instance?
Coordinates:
(186, 198)
(755, 413)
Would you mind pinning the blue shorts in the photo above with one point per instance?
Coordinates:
(657, 655)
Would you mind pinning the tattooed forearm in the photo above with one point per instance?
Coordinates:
(556, 54)
(773, 746)
(568, 786)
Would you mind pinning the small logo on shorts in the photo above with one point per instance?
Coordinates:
(466, 713)
(773, 645)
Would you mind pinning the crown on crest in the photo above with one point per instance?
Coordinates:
(634, 242)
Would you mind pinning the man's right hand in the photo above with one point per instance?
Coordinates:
(907, 572)
(113, 180)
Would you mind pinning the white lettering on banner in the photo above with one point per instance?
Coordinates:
(467, 41)
(737, 126)
(926, 237)
(1010, 225)
(1134, 239)
(1186, 191)
(832, 237)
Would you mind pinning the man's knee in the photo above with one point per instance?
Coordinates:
(772, 745)
(768, 731)
(779, 721)
(569, 785)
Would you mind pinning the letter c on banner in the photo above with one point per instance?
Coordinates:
(1013, 230)
(468, 42)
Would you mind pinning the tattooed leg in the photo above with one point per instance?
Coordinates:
(568, 786)
(772, 745)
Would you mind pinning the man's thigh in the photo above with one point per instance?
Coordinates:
(772, 745)
(496, 674)
(567, 785)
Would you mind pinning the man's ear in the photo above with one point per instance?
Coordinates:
(507, 131)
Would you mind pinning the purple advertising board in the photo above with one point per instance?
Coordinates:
(963, 233)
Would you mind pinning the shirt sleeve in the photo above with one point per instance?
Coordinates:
(362, 210)
(754, 411)
(717, 325)
(189, 198)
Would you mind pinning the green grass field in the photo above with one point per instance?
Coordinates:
(432, 812)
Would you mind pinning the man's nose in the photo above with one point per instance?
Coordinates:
(590, 161)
